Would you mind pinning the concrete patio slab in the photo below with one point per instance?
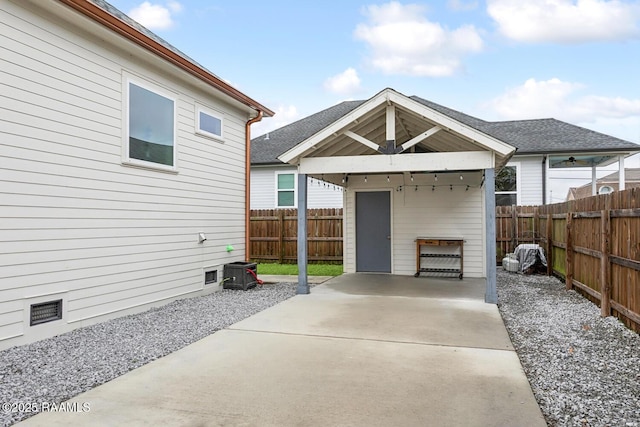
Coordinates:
(337, 356)
(391, 308)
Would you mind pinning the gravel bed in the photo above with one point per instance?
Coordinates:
(55, 369)
(584, 370)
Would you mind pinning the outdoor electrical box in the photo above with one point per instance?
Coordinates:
(240, 275)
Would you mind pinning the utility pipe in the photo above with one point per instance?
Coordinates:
(247, 185)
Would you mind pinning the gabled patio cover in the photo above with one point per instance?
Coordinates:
(391, 123)
(393, 134)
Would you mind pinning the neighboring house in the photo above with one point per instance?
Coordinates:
(412, 168)
(409, 171)
(541, 144)
(116, 152)
(606, 184)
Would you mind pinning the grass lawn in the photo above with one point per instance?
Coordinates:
(292, 269)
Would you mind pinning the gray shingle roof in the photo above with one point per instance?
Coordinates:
(266, 148)
(539, 136)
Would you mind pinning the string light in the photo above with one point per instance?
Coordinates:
(416, 188)
(461, 178)
(451, 187)
(435, 177)
(411, 177)
(365, 178)
(433, 188)
(388, 180)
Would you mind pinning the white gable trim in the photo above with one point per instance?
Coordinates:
(447, 122)
(390, 96)
(462, 160)
(363, 109)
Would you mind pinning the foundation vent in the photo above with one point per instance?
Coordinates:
(210, 277)
(46, 312)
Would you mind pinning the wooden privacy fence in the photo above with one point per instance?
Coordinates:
(593, 243)
(274, 232)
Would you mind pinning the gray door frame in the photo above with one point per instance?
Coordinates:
(390, 240)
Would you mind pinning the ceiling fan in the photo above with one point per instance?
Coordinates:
(573, 162)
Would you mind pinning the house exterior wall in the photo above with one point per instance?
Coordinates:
(75, 222)
(263, 189)
(442, 213)
(530, 177)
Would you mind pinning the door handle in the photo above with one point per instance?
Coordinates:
(388, 237)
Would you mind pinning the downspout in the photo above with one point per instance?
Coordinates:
(247, 184)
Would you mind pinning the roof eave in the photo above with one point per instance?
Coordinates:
(116, 25)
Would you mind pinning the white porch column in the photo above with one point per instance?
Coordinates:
(594, 187)
(621, 177)
(547, 190)
(491, 293)
(303, 284)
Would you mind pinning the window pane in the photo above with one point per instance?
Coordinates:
(286, 181)
(506, 199)
(506, 179)
(285, 198)
(151, 127)
(210, 124)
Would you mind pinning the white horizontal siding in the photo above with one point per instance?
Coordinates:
(530, 176)
(441, 213)
(74, 220)
(321, 195)
(263, 189)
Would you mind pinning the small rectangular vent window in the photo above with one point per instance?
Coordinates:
(46, 312)
(210, 277)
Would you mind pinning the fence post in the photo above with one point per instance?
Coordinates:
(605, 248)
(569, 252)
(514, 228)
(549, 231)
(280, 235)
(536, 225)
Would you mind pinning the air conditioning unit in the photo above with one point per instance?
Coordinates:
(510, 263)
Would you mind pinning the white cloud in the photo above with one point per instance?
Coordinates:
(460, 5)
(155, 16)
(174, 6)
(558, 99)
(403, 41)
(566, 21)
(285, 114)
(344, 83)
(555, 98)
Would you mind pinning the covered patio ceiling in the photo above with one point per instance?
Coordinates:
(394, 134)
(582, 160)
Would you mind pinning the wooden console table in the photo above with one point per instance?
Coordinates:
(432, 242)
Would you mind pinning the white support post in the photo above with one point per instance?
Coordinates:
(491, 293)
(621, 175)
(391, 123)
(547, 187)
(303, 284)
(594, 186)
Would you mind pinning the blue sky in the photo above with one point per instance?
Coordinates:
(574, 60)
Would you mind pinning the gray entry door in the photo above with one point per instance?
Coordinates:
(373, 231)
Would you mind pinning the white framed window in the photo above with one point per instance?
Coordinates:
(507, 187)
(209, 122)
(150, 126)
(286, 189)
